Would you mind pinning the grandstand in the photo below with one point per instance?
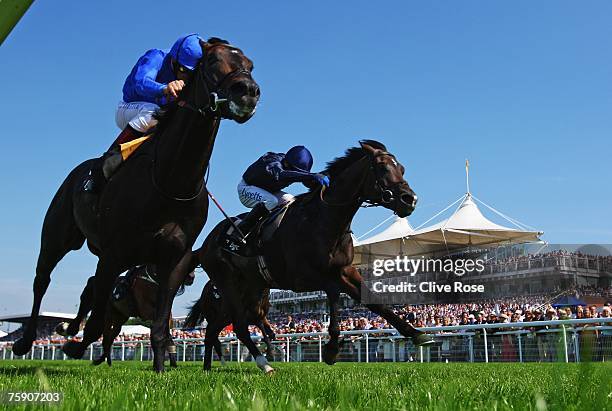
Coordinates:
(47, 321)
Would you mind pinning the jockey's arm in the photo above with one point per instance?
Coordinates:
(147, 68)
(289, 176)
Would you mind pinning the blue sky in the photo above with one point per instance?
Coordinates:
(520, 88)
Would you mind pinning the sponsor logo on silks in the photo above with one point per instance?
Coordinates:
(251, 195)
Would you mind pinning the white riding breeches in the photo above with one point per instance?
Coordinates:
(138, 114)
(251, 195)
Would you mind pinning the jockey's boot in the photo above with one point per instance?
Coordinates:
(109, 162)
(246, 225)
(250, 220)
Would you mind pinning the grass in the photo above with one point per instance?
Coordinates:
(298, 386)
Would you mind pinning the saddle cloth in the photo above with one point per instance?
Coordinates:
(128, 148)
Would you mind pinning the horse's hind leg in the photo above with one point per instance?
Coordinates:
(59, 236)
(172, 352)
(212, 341)
(265, 336)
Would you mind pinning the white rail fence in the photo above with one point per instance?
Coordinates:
(541, 341)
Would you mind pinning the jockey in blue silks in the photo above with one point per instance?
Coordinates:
(155, 80)
(262, 183)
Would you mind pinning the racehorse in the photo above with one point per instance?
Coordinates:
(211, 305)
(137, 298)
(312, 248)
(155, 205)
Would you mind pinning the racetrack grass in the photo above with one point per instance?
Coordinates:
(297, 386)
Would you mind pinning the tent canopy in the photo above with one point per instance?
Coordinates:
(466, 227)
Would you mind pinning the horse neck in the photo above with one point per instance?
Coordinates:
(183, 152)
(343, 199)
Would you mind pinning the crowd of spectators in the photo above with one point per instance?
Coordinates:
(509, 310)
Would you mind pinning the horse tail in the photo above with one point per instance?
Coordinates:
(196, 312)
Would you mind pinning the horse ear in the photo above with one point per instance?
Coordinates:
(367, 148)
(204, 45)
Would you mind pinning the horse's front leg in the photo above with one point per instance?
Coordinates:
(87, 299)
(170, 280)
(331, 349)
(351, 282)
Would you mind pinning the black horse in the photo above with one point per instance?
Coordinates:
(212, 306)
(153, 208)
(312, 248)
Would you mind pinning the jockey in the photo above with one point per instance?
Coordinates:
(262, 183)
(155, 80)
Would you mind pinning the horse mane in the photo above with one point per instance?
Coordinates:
(353, 154)
(339, 164)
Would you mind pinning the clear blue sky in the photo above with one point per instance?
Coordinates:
(520, 88)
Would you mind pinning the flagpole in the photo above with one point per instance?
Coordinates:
(467, 175)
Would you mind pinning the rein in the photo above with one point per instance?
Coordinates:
(209, 108)
(386, 195)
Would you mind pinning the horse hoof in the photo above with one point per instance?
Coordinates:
(97, 361)
(73, 349)
(22, 346)
(423, 340)
(263, 365)
(329, 355)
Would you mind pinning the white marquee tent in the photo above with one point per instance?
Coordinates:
(466, 227)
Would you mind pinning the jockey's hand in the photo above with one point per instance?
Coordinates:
(173, 88)
(322, 179)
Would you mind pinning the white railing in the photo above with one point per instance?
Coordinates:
(558, 340)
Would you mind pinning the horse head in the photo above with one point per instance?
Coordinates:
(222, 83)
(384, 184)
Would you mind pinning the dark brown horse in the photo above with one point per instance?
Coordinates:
(312, 249)
(212, 306)
(139, 299)
(153, 208)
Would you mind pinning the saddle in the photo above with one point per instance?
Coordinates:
(250, 255)
(261, 234)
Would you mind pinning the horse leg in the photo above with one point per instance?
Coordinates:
(331, 349)
(238, 314)
(351, 284)
(172, 351)
(106, 274)
(170, 281)
(87, 297)
(211, 341)
(112, 328)
(58, 238)
(266, 339)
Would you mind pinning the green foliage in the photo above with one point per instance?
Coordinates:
(133, 385)
(138, 321)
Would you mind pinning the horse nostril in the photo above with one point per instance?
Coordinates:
(409, 199)
(239, 88)
(256, 92)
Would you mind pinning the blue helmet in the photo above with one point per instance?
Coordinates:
(187, 50)
(299, 158)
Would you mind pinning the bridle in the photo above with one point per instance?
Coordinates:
(209, 108)
(214, 100)
(386, 194)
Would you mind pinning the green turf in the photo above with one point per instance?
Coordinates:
(294, 386)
